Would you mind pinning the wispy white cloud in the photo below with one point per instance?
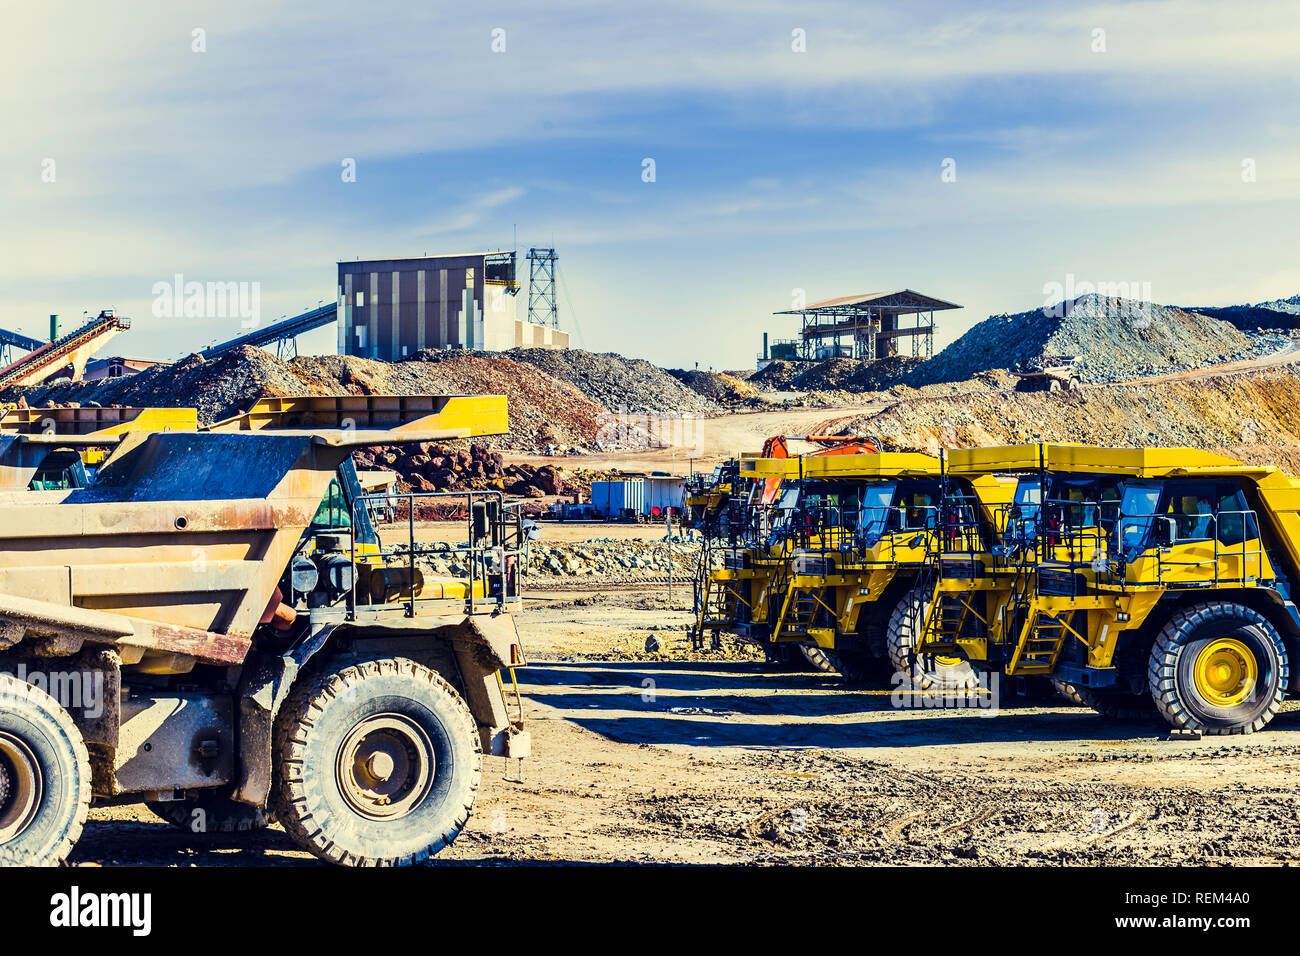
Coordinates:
(225, 164)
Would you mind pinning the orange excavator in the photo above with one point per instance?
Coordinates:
(778, 446)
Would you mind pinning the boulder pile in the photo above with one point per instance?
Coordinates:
(429, 466)
(609, 558)
(605, 558)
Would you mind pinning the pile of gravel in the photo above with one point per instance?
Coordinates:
(218, 388)
(1111, 339)
(618, 383)
(1276, 314)
(856, 375)
(719, 387)
(778, 375)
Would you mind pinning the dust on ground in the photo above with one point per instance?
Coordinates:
(678, 756)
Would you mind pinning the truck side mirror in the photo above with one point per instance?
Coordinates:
(1166, 532)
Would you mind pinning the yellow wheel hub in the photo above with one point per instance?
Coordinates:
(1226, 672)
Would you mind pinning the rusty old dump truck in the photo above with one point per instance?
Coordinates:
(211, 626)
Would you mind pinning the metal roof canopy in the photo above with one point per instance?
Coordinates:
(881, 464)
(1167, 462)
(902, 302)
(872, 319)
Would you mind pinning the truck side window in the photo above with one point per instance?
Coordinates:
(1193, 516)
(1235, 525)
(333, 510)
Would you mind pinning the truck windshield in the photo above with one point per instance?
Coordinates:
(1082, 502)
(1137, 514)
(873, 520)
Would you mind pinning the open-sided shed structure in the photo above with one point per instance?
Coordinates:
(872, 323)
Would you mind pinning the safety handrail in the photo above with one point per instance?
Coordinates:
(498, 559)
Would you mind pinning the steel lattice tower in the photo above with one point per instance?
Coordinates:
(541, 288)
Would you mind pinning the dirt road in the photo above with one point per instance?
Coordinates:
(1284, 356)
(674, 757)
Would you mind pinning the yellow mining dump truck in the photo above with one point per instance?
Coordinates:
(46, 449)
(987, 558)
(858, 528)
(742, 556)
(1176, 597)
(185, 632)
(707, 499)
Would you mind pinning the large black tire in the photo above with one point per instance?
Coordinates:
(1068, 692)
(1218, 668)
(377, 764)
(859, 667)
(1117, 704)
(44, 777)
(924, 670)
(212, 811)
(819, 659)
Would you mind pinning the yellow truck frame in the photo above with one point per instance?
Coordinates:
(740, 562)
(1179, 603)
(835, 577)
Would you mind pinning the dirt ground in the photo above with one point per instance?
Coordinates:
(718, 758)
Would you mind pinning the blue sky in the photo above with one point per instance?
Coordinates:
(776, 170)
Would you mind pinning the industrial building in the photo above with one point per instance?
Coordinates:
(392, 308)
(867, 326)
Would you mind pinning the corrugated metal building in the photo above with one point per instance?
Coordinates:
(650, 495)
(392, 308)
(617, 499)
(664, 492)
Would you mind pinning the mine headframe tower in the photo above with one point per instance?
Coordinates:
(541, 288)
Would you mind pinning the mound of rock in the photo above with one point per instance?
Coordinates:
(618, 383)
(1110, 338)
(856, 375)
(777, 375)
(718, 387)
(429, 466)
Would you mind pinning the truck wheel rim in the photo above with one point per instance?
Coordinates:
(21, 784)
(386, 767)
(1225, 672)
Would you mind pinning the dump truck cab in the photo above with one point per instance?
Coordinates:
(991, 562)
(743, 574)
(739, 562)
(1171, 598)
(707, 498)
(853, 528)
(235, 661)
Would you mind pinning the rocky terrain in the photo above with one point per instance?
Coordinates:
(618, 383)
(836, 375)
(598, 558)
(1253, 416)
(1110, 339)
(1282, 314)
(721, 388)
